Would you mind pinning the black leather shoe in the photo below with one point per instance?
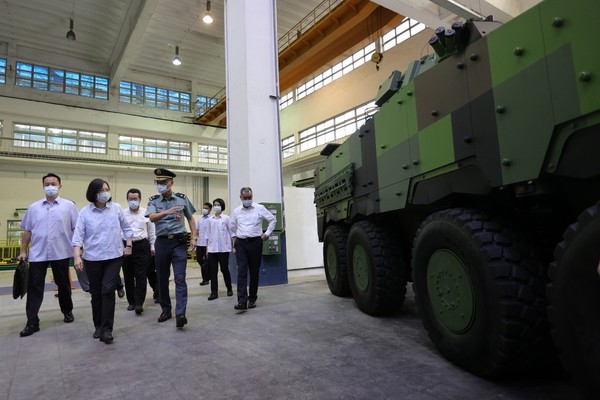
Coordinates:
(106, 337)
(230, 293)
(130, 307)
(139, 310)
(204, 283)
(251, 304)
(156, 301)
(241, 306)
(213, 296)
(164, 316)
(97, 333)
(181, 321)
(121, 293)
(69, 317)
(29, 330)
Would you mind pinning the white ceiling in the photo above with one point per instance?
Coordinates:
(136, 39)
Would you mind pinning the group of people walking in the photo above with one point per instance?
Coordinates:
(103, 236)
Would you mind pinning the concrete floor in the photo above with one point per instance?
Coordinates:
(301, 342)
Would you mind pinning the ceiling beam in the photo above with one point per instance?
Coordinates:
(134, 26)
(335, 34)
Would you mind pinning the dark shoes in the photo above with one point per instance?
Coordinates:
(230, 293)
(204, 283)
(240, 306)
(29, 330)
(120, 293)
(156, 301)
(97, 333)
(106, 337)
(131, 307)
(213, 296)
(251, 304)
(69, 317)
(139, 310)
(164, 316)
(181, 320)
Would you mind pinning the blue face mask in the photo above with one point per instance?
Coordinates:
(103, 197)
(51, 190)
(217, 209)
(133, 204)
(161, 188)
(205, 211)
(247, 203)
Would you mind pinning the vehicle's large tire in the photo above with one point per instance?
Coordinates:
(574, 297)
(377, 272)
(480, 293)
(334, 259)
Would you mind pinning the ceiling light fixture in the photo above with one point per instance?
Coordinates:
(208, 19)
(70, 33)
(176, 60)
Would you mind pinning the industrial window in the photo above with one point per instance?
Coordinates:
(286, 100)
(335, 128)
(150, 96)
(203, 104)
(288, 146)
(154, 148)
(61, 81)
(212, 154)
(55, 138)
(402, 32)
(408, 28)
(2, 70)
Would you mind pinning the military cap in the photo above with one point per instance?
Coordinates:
(163, 173)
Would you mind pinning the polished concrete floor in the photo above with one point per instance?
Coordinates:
(301, 342)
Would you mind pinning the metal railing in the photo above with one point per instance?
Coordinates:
(112, 156)
(305, 24)
(308, 22)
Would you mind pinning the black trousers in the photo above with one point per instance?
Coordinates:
(202, 261)
(135, 272)
(151, 273)
(248, 254)
(214, 260)
(37, 283)
(103, 277)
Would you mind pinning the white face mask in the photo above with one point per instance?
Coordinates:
(51, 190)
(204, 211)
(103, 197)
(133, 204)
(247, 203)
(161, 188)
(217, 209)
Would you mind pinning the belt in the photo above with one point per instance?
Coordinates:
(250, 239)
(137, 241)
(177, 236)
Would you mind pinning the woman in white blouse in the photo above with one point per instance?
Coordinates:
(218, 248)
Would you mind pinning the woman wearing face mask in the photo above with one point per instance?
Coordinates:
(218, 247)
(98, 230)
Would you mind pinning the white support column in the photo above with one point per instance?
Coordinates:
(253, 139)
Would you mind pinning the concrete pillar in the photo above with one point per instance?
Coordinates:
(253, 139)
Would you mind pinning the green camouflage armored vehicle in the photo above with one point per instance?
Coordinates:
(478, 179)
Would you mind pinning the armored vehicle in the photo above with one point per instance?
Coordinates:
(478, 179)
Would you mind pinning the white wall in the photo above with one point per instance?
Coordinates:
(303, 247)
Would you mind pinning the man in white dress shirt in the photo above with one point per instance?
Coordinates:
(48, 224)
(246, 228)
(135, 267)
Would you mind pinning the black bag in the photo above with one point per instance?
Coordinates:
(20, 280)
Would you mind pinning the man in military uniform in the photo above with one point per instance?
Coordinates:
(168, 210)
